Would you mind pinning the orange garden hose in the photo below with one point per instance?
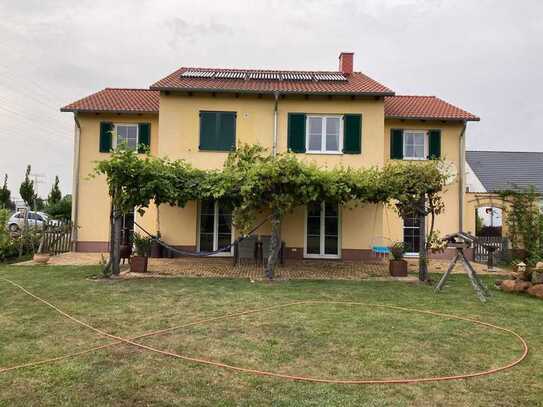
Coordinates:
(131, 341)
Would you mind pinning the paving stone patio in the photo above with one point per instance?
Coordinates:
(292, 270)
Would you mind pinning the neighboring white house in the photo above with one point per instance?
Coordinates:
(495, 171)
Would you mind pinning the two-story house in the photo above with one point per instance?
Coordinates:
(339, 117)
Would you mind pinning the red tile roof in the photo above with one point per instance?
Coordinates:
(147, 101)
(355, 84)
(118, 101)
(424, 107)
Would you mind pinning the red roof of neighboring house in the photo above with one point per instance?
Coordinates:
(247, 81)
(424, 107)
(118, 101)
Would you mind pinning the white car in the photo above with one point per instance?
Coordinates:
(35, 219)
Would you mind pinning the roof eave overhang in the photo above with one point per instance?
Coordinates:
(108, 111)
(268, 92)
(447, 119)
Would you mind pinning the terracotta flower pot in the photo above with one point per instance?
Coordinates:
(41, 258)
(397, 268)
(138, 264)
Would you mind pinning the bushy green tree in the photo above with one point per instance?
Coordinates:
(26, 190)
(5, 196)
(525, 222)
(55, 195)
(61, 210)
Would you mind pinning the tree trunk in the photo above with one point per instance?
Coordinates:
(23, 233)
(115, 249)
(423, 260)
(275, 245)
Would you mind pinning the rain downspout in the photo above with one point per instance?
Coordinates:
(75, 182)
(461, 178)
(275, 125)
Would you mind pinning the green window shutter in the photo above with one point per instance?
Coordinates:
(208, 130)
(226, 139)
(144, 137)
(352, 134)
(296, 132)
(105, 136)
(217, 131)
(434, 144)
(396, 144)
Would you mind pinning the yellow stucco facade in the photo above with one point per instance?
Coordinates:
(175, 134)
(93, 203)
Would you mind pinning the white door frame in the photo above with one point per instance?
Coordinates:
(412, 254)
(215, 230)
(322, 255)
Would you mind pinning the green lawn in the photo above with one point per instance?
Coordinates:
(332, 341)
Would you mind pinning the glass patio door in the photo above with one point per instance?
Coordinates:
(411, 235)
(215, 228)
(322, 230)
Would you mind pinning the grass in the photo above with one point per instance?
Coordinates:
(334, 341)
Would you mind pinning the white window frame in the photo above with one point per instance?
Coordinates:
(425, 136)
(115, 141)
(323, 150)
(322, 254)
(215, 230)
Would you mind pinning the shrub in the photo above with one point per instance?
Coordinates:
(61, 210)
(525, 223)
(397, 250)
(9, 248)
(142, 245)
(10, 245)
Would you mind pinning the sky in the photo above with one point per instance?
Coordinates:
(484, 56)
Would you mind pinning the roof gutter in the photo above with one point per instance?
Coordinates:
(448, 119)
(275, 124)
(462, 178)
(75, 181)
(269, 92)
(75, 111)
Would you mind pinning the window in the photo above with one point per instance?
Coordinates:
(324, 134)
(322, 230)
(34, 216)
(217, 131)
(414, 145)
(215, 226)
(127, 134)
(411, 236)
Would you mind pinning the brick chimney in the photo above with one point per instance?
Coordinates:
(346, 62)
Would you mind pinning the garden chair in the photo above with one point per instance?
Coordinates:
(245, 250)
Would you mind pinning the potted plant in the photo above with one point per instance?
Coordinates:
(138, 262)
(397, 266)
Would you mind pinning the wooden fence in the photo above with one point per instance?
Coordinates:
(502, 252)
(57, 237)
